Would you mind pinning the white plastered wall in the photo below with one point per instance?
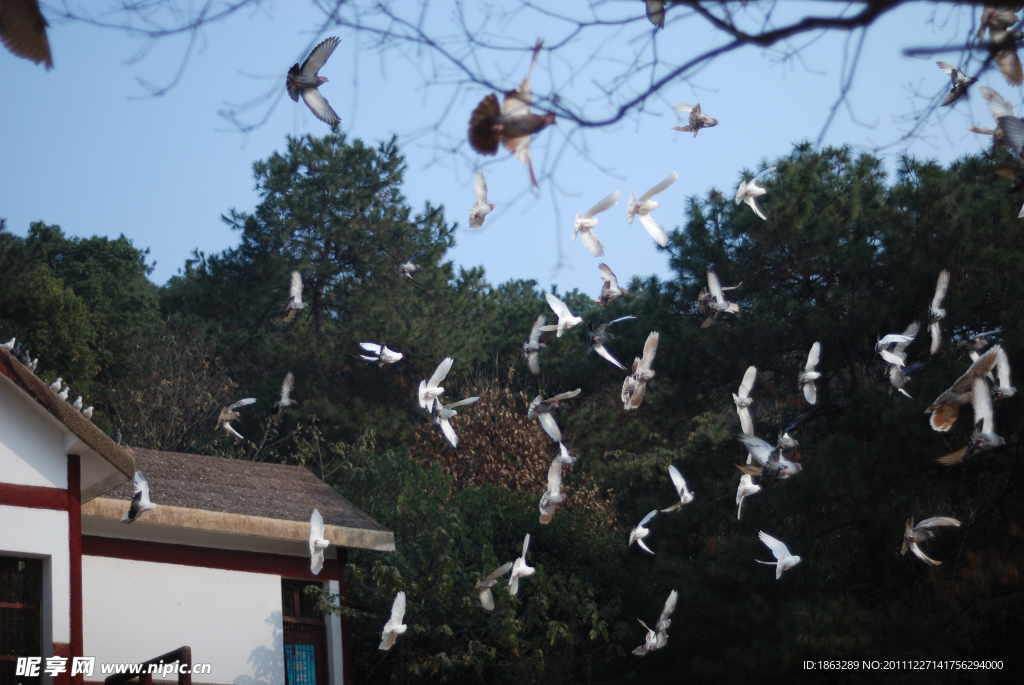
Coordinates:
(31, 444)
(43, 533)
(137, 610)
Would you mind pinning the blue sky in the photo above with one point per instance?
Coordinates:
(83, 147)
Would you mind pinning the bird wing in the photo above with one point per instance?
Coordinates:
(670, 606)
(607, 275)
(601, 350)
(654, 229)
(517, 102)
(758, 448)
(23, 31)
(557, 306)
(499, 572)
(533, 362)
(480, 188)
(936, 334)
(229, 429)
(526, 546)
(462, 403)
(937, 521)
(777, 547)
(555, 477)
(655, 10)
(318, 57)
(1013, 132)
(911, 333)
(922, 556)
(669, 180)
(981, 367)
(287, 386)
(997, 105)
(651, 514)
(318, 104)
(1009, 64)
(565, 396)
(398, 609)
(604, 205)
(747, 384)
(487, 598)
(981, 402)
(762, 174)
(442, 370)
(316, 528)
(948, 68)
(592, 243)
(941, 285)
(550, 426)
(1003, 369)
(752, 201)
(536, 330)
(644, 547)
(295, 290)
(242, 403)
(746, 421)
(373, 348)
(812, 357)
(650, 349)
(715, 286)
(677, 479)
(810, 392)
(681, 107)
(449, 432)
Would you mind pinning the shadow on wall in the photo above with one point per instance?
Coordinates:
(267, 662)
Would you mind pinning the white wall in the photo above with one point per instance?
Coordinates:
(137, 610)
(43, 533)
(31, 442)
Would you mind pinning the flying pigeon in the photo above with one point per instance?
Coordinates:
(656, 12)
(285, 400)
(585, 223)
(520, 569)
(610, 290)
(566, 319)
(484, 585)
(553, 496)
(659, 639)
(743, 400)
(317, 542)
(749, 191)
(23, 31)
(898, 377)
(995, 17)
(810, 374)
(512, 124)
(685, 496)
(228, 414)
(638, 534)
(443, 414)
(9, 345)
(946, 407)
(998, 107)
(140, 501)
(892, 348)
(379, 354)
(960, 83)
(923, 531)
(984, 436)
(295, 302)
(407, 267)
(697, 121)
(597, 336)
(394, 627)
(784, 560)
(978, 342)
(541, 408)
(87, 412)
(480, 209)
(429, 390)
(771, 463)
(305, 81)
(635, 386)
(747, 488)
(712, 302)
(55, 386)
(642, 208)
(533, 345)
(1003, 47)
(77, 404)
(935, 311)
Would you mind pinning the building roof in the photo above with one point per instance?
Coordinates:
(249, 492)
(81, 427)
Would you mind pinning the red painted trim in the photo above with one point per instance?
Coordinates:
(74, 504)
(63, 649)
(33, 497)
(209, 557)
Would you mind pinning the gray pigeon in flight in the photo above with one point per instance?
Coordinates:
(140, 501)
(306, 81)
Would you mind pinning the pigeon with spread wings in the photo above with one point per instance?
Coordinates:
(443, 415)
(584, 224)
(140, 500)
(935, 311)
(635, 386)
(946, 407)
(912, 535)
(683, 492)
(541, 409)
(749, 191)
(305, 81)
(295, 303)
(483, 586)
(810, 374)
(533, 345)
(610, 289)
(553, 496)
(520, 569)
(641, 208)
(481, 208)
(960, 80)
(228, 414)
(597, 336)
(697, 120)
(317, 542)
(783, 559)
(431, 389)
(566, 319)
(394, 627)
(512, 123)
(641, 531)
(743, 400)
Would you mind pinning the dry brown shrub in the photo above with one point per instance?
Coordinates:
(499, 446)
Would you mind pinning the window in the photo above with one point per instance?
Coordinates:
(21, 618)
(305, 636)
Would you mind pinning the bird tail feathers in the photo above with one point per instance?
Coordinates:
(482, 136)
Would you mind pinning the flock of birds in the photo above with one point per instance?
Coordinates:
(511, 123)
(23, 356)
